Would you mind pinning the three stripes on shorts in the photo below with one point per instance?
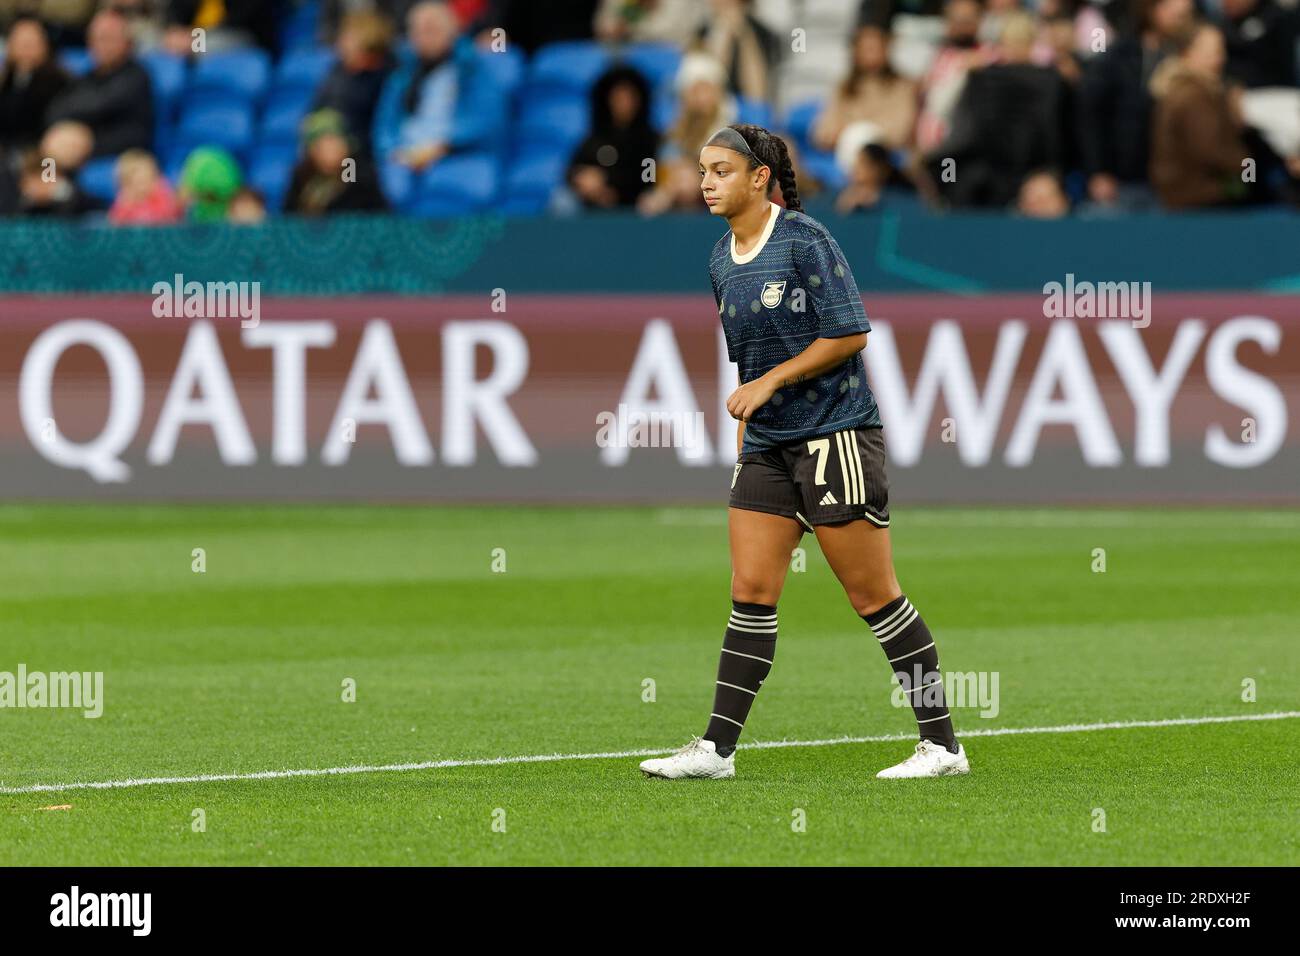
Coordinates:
(855, 486)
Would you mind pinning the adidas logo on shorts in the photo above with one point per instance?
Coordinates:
(828, 499)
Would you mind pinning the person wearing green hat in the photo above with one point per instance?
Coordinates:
(209, 180)
(333, 176)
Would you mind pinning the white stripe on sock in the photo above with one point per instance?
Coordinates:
(910, 653)
(752, 693)
(924, 686)
(900, 627)
(898, 612)
(754, 617)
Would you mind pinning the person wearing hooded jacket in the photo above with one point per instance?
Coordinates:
(608, 167)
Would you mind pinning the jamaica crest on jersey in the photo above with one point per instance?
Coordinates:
(772, 292)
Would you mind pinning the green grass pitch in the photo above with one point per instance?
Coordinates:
(241, 669)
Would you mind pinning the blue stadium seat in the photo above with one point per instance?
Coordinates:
(244, 74)
(172, 161)
(821, 165)
(230, 127)
(753, 111)
(571, 66)
(270, 172)
(298, 29)
(76, 60)
(164, 135)
(657, 62)
(533, 178)
(456, 186)
(506, 67)
(303, 68)
(663, 110)
(397, 183)
(96, 178)
(799, 119)
(282, 118)
(561, 120)
(167, 79)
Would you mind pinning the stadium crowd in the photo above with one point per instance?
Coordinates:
(161, 111)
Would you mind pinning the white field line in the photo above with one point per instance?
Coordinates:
(618, 754)
(1012, 517)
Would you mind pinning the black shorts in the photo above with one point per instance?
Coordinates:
(826, 480)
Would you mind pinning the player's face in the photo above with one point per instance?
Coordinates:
(727, 181)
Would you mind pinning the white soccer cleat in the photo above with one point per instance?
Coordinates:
(699, 758)
(930, 760)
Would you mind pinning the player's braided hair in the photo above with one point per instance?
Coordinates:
(772, 151)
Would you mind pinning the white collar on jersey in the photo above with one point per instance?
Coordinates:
(762, 240)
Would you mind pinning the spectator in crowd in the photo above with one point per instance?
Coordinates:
(146, 21)
(943, 83)
(1056, 43)
(705, 107)
(353, 85)
(44, 190)
(209, 181)
(67, 145)
(1042, 196)
(334, 12)
(144, 197)
(30, 79)
(1115, 104)
(744, 47)
(247, 208)
(608, 168)
(113, 103)
(873, 182)
(1005, 124)
(331, 177)
(1261, 39)
(994, 18)
(473, 15)
(649, 21)
(1056, 48)
(872, 92)
(442, 101)
(64, 20)
(1197, 144)
(226, 24)
(1072, 30)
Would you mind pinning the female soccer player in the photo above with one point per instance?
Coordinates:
(811, 453)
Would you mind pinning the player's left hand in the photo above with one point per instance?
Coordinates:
(749, 398)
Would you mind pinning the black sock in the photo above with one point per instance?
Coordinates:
(747, 652)
(907, 643)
